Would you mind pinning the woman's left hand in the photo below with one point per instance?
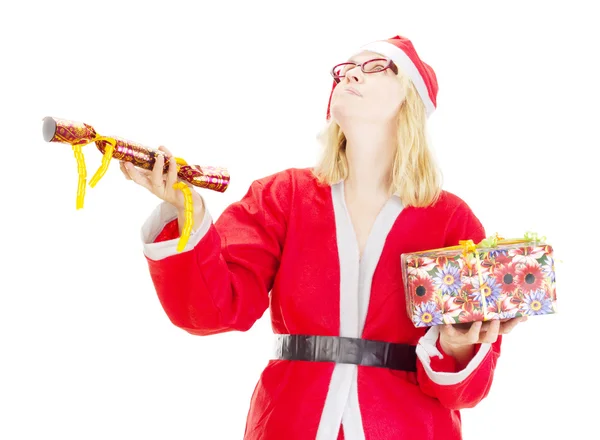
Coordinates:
(458, 340)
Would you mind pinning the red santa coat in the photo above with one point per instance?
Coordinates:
(289, 245)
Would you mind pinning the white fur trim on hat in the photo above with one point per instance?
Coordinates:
(403, 61)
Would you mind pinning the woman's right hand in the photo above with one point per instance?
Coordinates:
(159, 184)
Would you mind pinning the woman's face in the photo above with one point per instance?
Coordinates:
(373, 96)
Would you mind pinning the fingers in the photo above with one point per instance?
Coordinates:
(172, 173)
(452, 335)
(172, 170)
(124, 170)
(126, 166)
(492, 334)
(507, 326)
(136, 176)
(450, 330)
(479, 332)
(156, 176)
(163, 148)
(474, 332)
(157, 181)
(484, 326)
(462, 326)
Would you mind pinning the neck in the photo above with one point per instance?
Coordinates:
(370, 151)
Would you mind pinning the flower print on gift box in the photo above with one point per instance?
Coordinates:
(495, 279)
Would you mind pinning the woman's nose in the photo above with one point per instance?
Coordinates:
(354, 75)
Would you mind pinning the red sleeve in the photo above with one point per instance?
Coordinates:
(169, 232)
(463, 225)
(438, 375)
(458, 389)
(223, 282)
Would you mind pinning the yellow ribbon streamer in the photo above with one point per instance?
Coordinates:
(189, 210)
(108, 151)
(106, 158)
(81, 173)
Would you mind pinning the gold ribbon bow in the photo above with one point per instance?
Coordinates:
(489, 242)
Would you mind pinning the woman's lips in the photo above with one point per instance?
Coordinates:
(353, 91)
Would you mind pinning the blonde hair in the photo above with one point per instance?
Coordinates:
(416, 178)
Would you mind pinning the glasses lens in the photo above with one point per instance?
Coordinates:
(341, 69)
(376, 65)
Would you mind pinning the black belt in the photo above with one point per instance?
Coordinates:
(346, 351)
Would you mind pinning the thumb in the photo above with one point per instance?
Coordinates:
(138, 177)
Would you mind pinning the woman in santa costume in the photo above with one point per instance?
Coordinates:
(320, 247)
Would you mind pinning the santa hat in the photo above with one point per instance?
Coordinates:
(402, 52)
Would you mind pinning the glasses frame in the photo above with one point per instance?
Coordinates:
(389, 65)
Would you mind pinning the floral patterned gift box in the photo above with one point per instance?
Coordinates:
(494, 279)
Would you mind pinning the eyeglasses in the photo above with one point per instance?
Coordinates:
(371, 66)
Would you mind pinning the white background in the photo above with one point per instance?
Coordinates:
(86, 350)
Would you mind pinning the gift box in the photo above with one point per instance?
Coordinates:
(495, 279)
